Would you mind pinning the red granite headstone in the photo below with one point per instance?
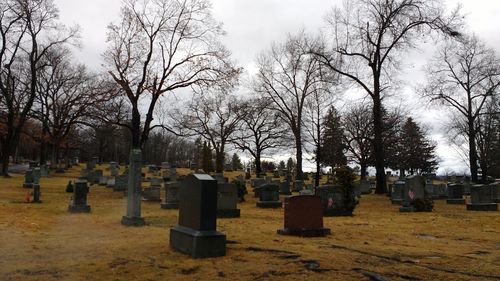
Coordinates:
(304, 216)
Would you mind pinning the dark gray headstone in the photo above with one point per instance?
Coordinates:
(79, 201)
(113, 168)
(298, 185)
(397, 192)
(28, 179)
(481, 198)
(496, 192)
(332, 199)
(151, 194)
(455, 194)
(172, 195)
(269, 196)
(227, 199)
(133, 216)
(111, 182)
(285, 188)
(196, 233)
(414, 189)
(121, 182)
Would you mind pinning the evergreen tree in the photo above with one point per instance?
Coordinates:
(332, 145)
(236, 162)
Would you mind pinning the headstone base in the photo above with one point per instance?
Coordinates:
(228, 213)
(407, 209)
(337, 213)
(170, 205)
(320, 232)
(79, 208)
(496, 200)
(455, 201)
(269, 204)
(482, 207)
(397, 201)
(285, 193)
(130, 221)
(198, 244)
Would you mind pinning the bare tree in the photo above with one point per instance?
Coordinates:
(288, 75)
(261, 130)
(28, 30)
(213, 116)
(369, 38)
(67, 95)
(160, 46)
(464, 75)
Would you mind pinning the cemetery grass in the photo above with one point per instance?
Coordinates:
(45, 242)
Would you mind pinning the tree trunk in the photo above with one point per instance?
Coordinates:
(258, 165)
(378, 144)
(219, 160)
(472, 151)
(298, 156)
(5, 158)
(363, 170)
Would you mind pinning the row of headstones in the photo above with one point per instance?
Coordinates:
(196, 232)
(483, 197)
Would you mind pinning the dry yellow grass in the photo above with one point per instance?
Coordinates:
(45, 242)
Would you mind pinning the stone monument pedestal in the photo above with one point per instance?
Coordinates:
(133, 215)
(198, 244)
(456, 201)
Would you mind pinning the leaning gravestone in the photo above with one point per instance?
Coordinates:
(397, 192)
(36, 186)
(28, 179)
(79, 202)
(133, 216)
(481, 199)
(455, 194)
(304, 217)
(196, 233)
(269, 196)
(227, 199)
(414, 189)
(172, 190)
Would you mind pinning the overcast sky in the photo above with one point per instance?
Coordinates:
(252, 25)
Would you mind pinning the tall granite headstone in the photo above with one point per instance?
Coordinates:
(79, 201)
(397, 192)
(196, 233)
(133, 216)
(304, 217)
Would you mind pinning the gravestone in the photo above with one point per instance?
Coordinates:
(285, 188)
(298, 185)
(496, 192)
(441, 191)
(306, 192)
(332, 199)
(121, 182)
(152, 168)
(219, 177)
(397, 192)
(365, 187)
(165, 165)
(467, 185)
(151, 193)
(111, 182)
(172, 190)
(103, 180)
(133, 216)
(196, 233)
(94, 176)
(227, 199)
(155, 182)
(304, 217)
(79, 201)
(269, 196)
(481, 199)
(113, 168)
(91, 164)
(28, 179)
(44, 170)
(455, 194)
(414, 189)
(257, 183)
(33, 164)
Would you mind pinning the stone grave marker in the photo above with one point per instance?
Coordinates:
(496, 192)
(257, 183)
(414, 189)
(103, 180)
(44, 170)
(36, 186)
(111, 182)
(332, 199)
(113, 168)
(28, 179)
(91, 164)
(481, 198)
(455, 194)
(152, 193)
(121, 182)
(133, 215)
(227, 199)
(285, 188)
(79, 201)
(269, 196)
(95, 176)
(304, 217)
(298, 185)
(397, 192)
(172, 192)
(196, 233)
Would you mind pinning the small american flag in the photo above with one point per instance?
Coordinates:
(330, 203)
(411, 194)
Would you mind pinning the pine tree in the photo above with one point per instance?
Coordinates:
(236, 162)
(332, 145)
